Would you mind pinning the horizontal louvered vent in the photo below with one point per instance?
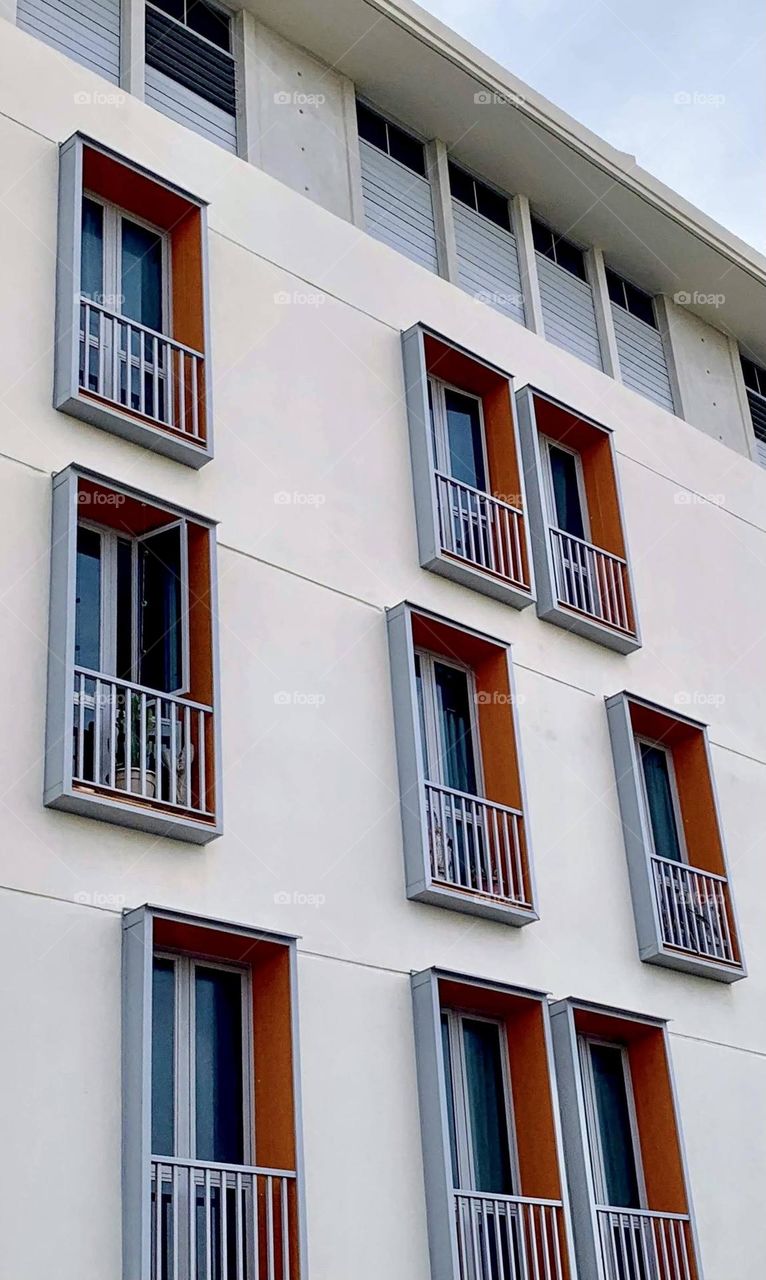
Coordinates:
(758, 414)
(487, 261)
(194, 63)
(568, 314)
(642, 358)
(397, 206)
(187, 108)
(86, 30)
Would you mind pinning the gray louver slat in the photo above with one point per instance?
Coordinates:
(189, 109)
(488, 262)
(193, 62)
(86, 30)
(397, 206)
(758, 414)
(642, 358)
(568, 314)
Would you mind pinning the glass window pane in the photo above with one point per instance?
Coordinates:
(218, 1047)
(543, 239)
(125, 609)
(455, 734)
(176, 8)
(614, 285)
(372, 127)
(210, 23)
(163, 1058)
(450, 1087)
(640, 304)
(613, 1117)
(161, 618)
(87, 626)
(493, 206)
(464, 441)
(407, 150)
(92, 251)
(570, 258)
(461, 185)
(659, 798)
(141, 275)
(487, 1114)
(566, 492)
(750, 374)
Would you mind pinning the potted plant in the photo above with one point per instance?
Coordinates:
(128, 773)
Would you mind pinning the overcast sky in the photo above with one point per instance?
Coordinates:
(620, 69)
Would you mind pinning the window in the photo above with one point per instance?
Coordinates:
(204, 19)
(458, 428)
(612, 1129)
(567, 507)
(447, 703)
(479, 197)
(201, 1070)
(465, 843)
(582, 573)
(469, 497)
(661, 799)
(131, 305)
(632, 299)
(191, 74)
(755, 383)
(560, 250)
(212, 1172)
(494, 1191)
(682, 898)
(132, 723)
(388, 137)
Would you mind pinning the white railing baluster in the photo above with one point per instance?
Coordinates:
(139, 726)
(113, 341)
(644, 1244)
(485, 531)
(591, 580)
(525, 1232)
(475, 844)
(693, 908)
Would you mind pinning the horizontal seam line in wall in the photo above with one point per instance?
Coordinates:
(293, 573)
(719, 506)
(357, 964)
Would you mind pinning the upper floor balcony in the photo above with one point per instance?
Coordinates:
(682, 899)
(583, 576)
(463, 825)
(469, 492)
(132, 329)
(132, 682)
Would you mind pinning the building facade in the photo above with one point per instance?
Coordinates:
(381, 597)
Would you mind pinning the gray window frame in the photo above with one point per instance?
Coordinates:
(138, 951)
(59, 790)
(639, 845)
(535, 465)
(420, 886)
(425, 465)
(66, 390)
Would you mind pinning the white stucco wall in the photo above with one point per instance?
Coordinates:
(307, 313)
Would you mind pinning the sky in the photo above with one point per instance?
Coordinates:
(680, 84)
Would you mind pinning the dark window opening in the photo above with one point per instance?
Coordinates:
(478, 196)
(561, 251)
(388, 137)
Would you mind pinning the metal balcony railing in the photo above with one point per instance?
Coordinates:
(476, 845)
(509, 1238)
(138, 369)
(222, 1222)
(593, 581)
(481, 529)
(694, 910)
(639, 1244)
(138, 744)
